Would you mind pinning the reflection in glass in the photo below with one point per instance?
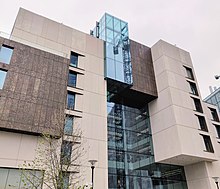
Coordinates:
(110, 67)
(5, 54)
(119, 71)
(74, 59)
(72, 79)
(70, 101)
(2, 78)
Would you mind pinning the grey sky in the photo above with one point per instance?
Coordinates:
(193, 25)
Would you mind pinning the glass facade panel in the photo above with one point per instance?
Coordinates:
(2, 78)
(6, 54)
(66, 151)
(117, 48)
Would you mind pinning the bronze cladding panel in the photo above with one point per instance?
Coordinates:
(34, 94)
(142, 69)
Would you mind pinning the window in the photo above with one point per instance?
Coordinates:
(5, 54)
(68, 129)
(193, 88)
(214, 114)
(189, 73)
(217, 127)
(19, 179)
(208, 143)
(74, 59)
(65, 178)
(66, 151)
(72, 79)
(70, 101)
(198, 106)
(2, 78)
(202, 123)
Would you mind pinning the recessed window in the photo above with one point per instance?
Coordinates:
(193, 88)
(74, 59)
(214, 114)
(208, 143)
(202, 123)
(72, 79)
(198, 105)
(6, 54)
(68, 129)
(2, 78)
(70, 101)
(217, 127)
(189, 73)
(66, 151)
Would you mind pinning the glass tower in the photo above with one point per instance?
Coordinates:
(117, 48)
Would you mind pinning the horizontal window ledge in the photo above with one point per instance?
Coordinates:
(215, 122)
(75, 90)
(4, 66)
(209, 151)
(75, 113)
(206, 131)
(77, 70)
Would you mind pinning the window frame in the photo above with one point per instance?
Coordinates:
(189, 73)
(66, 152)
(71, 107)
(10, 56)
(4, 78)
(67, 130)
(193, 88)
(217, 128)
(202, 123)
(197, 105)
(72, 73)
(208, 143)
(76, 59)
(214, 114)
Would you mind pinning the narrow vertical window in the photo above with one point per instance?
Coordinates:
(66, 151)
(70, 101)
(189, 73)
(68, 128)
(202, 123)
(2, 78)
(214, 115)
(198, 105)
(74, 59)
(217, 127)
(72, 79)
(193, 88)
(208, 143)
(6, 54)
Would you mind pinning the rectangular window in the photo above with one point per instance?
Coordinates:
(193, 88)
(189, 73)
(72, 79)
(20, 179)
(208, 143)
(66, 151)
(6, 54)
(74, 59)
(217, 127)
(202, 123)
(2, 78)
(214, 114)
(68, 128)
(198, 105)
(70, 101)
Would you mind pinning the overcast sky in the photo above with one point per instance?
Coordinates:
(193, 25)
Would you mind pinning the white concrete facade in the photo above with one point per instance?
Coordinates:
(177, 137)
(90, 92)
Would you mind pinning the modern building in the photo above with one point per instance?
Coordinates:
(139, 108)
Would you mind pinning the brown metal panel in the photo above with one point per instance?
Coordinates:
(32, 96)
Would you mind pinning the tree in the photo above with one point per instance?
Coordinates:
(57, 160)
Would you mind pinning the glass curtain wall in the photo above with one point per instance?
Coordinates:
(130, 153)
